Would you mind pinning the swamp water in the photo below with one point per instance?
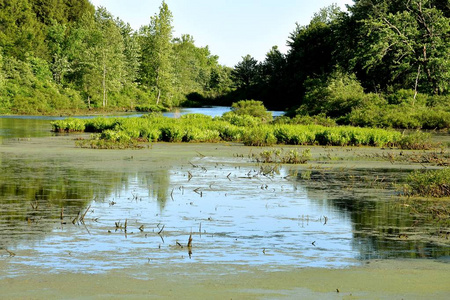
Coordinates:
(90, 211)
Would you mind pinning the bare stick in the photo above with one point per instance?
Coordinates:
(161, 229)
(190, 241)
(76, 218)
(82, 217)
(11, 254)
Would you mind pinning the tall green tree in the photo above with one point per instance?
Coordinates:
(131, 51)
(273, 81)
(311, 49)
(246, 73)
(58, 50)
(98, 56)
(2, 79)
(156, 54)
(194, 68)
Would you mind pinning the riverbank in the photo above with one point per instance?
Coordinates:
(387, 279)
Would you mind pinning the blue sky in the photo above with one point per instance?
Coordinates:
(231, 28)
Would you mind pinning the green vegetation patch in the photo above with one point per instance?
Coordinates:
(432, 183)
(245, 129)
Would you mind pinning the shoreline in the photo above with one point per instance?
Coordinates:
(385, 279)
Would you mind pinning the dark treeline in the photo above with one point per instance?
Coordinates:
(385, 45)
(58, 55)
(382, 63)
(380, 59)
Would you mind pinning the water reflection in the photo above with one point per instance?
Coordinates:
(23, 128)
(382, 226)
(233, 214)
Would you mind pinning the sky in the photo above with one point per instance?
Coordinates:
(230, 28)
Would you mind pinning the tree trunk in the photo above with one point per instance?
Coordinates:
(104, 85)
(159, 90)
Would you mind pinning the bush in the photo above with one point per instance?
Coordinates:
(150, 108)
(334, 96)
(241, 120)
(100, 124)
(252, 108)
(198, 128)
(259, 136)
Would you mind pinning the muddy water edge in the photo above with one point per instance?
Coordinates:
(93, 223)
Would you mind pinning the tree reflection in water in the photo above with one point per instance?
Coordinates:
(383, 227)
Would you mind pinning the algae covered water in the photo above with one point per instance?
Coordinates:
(80, 210)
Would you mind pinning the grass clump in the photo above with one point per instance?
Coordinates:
(68, 125)
(416, 141)
(279, 156)
(432, 183)
(100, 141)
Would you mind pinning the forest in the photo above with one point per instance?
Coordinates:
(379, 64)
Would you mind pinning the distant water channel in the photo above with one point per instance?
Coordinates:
(236, 215)
(39, 126)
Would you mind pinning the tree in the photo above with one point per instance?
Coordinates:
(404, 44)
(57, 45)
(98, 56)
(156, 53)
(2, 78)
(273, 79)
(311, 51)
(20, 31)
(246, 73)
(131, 51)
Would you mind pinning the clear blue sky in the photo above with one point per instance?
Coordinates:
(231, 28)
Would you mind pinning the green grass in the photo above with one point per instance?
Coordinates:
(196, 128)
(432, 183)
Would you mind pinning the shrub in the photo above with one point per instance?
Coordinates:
(334, 96)
(150, 108)
(100, 124)
(240, 120)
(252, 108)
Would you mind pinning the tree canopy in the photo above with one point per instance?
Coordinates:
(384, 45)
(65, 55)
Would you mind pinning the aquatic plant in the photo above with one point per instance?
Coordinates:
(417, 141)
(68, 125)
(246, 129)
(293, 156)
(432, 183)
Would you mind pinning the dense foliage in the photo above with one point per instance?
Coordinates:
(66, 55)
(381, 63)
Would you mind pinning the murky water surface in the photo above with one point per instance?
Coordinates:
(88, 220)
